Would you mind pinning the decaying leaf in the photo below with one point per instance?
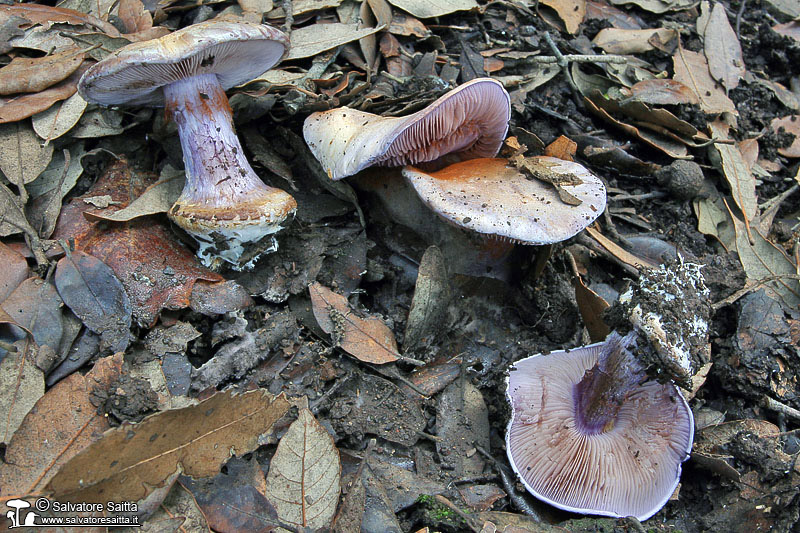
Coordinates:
(571, 12)
(30, 461)
(312, 40)
(462, 423)
(722, 49)
(433, 8)
(790, 124)
(13, 217)
(691, 69)
(60, 118)
(367, 339)
(431, 297)
(36, 307)
(21, 386)
(90, 288)
(200, 437)
(621, 41)
(303, 482)
(22, 157)
(658, 6)
(156, 271)
(157, 198)
(741, 181)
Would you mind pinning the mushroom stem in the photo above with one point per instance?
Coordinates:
(605, 386)
(222, 193)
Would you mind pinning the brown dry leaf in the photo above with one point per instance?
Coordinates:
(749, 150)
(367, 339)
(13, 271)
(22, 157)
(789, 124)
(404, 24)
(619, 252)
(134, 16)
(741, 181)
(31, 75)
(761, 259)
(722, 49)
(26, 105)
(591, 306)
(42, 14)
(658, 6)
(200, 438)
(571, 12)
(156, 271)
(312, 40)
(618, 18)
(21, 386)
(663, 92)
(789, 29)
(619, 41)
(434, 8)
(667, 145)
(303, 482)
(30, 460)
(562, 148)
(691, 69)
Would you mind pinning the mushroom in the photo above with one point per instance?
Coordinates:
(495, 199)
(468, 122)
(589, 434)
(224, 204)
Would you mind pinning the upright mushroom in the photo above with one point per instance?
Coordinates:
(224, 204)
(468, 122)
(589, 434)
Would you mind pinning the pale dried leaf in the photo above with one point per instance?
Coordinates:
(22, 157)
(312, 40)
(691, 69)
(722, 49)
(21, 386)
(367, 339)
(60, 118)
(658, 6)
(618, 41)
(134, 16)
(256, 6)
(789, 124)
(157, 198)
(200, 437)
(12, 217)
(303, 482)
(30, 460)
(571, 12)
(790, 8)
(31, 75)
(736, 172)
(619, 252)
(433, 8)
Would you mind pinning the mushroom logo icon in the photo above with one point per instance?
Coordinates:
(13, 515)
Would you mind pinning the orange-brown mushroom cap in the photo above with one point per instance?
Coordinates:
(493, 198)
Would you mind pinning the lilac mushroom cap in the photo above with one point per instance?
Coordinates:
(493, 198)
(586, 435)
(468, 122)
(224, 205)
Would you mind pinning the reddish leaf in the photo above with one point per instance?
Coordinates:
(663, 92)
(26, 105)
(156, 271)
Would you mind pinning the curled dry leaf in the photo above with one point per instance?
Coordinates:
(30, 460)
(31, 75)
(722, 49)
(90, 288)
(200, 437)
(303, 482)
(367, 339)
(433, 8)
(790, 124)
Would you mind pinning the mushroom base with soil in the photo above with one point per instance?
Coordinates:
(224, 205)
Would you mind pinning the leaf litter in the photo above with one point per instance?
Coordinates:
(708, 82)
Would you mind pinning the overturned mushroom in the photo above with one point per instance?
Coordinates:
(589, 434)
(224, 205)
(495, 199)
(468, 122)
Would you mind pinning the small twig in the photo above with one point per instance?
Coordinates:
(779, 407)
(562, 62)
(288, 12)
(645, 196)
(739, 18)
(578, 58)
(316, 405)
(589, 243)
(508, 483)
